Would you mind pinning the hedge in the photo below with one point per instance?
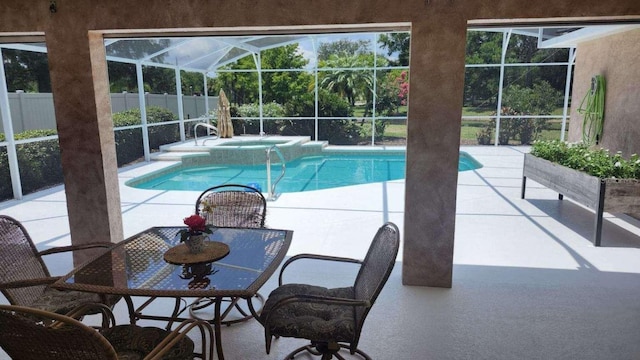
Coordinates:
(40, 163)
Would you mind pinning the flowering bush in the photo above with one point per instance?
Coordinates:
(594, 161)
(196, 225)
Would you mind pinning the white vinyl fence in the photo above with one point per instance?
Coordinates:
(31, 111)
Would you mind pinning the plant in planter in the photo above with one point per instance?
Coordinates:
(590, 176)
(594, 161)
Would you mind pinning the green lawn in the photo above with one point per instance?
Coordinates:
(396, 130)
(358, 111)
(470, 129)
(491, 111)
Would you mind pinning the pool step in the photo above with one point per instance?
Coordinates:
(251, 154)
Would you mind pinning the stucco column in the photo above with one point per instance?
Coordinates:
(433, 138)
(80, 87)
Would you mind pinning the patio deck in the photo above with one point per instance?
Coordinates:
(528, 283)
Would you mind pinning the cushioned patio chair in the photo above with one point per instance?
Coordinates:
(331, 318)
(25, 279)
(230, 205)
(27, 333)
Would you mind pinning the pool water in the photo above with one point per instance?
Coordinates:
(303, 174)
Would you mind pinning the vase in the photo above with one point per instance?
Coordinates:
(195, 243)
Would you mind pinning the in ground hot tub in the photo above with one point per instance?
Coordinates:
(245, 143)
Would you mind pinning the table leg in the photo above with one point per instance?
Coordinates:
(217, 325)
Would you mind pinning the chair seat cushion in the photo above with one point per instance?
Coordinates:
(134, 342)
(62, 302)
(313, 321)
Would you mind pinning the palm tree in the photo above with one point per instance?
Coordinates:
(345, 80)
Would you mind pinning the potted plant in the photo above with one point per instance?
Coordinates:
(590, 176)
(193, 236)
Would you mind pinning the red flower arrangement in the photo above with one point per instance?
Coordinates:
(196, 225)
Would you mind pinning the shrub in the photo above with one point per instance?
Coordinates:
(336, 131)
(485, 136)
(39, 163)
(6, 189)
(272, 110)
(129, 141)
(541, 99)
(330, 104)
(594, 161)
(155, 114)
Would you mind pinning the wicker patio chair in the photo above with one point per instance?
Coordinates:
(24, 277)
(27, 333)
(233, 206)
(230, 205)
(331, 318)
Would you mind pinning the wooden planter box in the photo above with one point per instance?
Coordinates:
(610, 195)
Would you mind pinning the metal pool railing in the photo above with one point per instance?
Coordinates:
(209, 126)
(271, 188)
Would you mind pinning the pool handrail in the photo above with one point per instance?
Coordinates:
(209, 126)
(271, 188)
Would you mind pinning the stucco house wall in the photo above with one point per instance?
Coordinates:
(616, 58)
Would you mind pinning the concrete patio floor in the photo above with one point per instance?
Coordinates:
(527, 281)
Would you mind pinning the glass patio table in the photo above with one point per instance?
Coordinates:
(137, 267)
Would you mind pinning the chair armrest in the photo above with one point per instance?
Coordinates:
(108, 319)
(60, 249)
(327, 300)
(29, 282)
(314, 257)
(179, 333)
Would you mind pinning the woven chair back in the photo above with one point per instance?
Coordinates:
(31, 334)
(19, 260)
(376, 268)
(232, 206)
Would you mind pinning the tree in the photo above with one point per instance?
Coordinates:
(26, 70)
(524, 49)
(192, 83)
(122, 76)
(392, 92)
(343, 47)
(346, 81)
(240, 87)
(397, 43)
(481, 84)
(279, 87)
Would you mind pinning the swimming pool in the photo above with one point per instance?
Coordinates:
(303, 174)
